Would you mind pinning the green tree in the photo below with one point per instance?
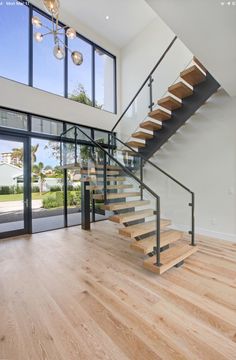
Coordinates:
(82, 97)
(34, 149)
(38, 171)
(17, 154)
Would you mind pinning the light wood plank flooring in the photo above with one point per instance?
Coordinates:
(71, 295)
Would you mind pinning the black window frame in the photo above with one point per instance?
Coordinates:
(65, 77)
(28, 134)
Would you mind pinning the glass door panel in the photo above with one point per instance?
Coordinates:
(13, 204)
(47, 183)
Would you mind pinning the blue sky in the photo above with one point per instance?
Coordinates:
(48, 71)
(43, 154)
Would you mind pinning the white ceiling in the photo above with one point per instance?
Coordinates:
(208, 29)
(126, 17)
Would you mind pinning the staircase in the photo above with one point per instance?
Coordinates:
(192, 89)
(117, 179)
(136, 216)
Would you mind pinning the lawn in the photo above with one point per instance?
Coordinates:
(19, 197)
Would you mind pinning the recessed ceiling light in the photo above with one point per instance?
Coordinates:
(107, 17)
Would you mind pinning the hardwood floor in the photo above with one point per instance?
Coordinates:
(71, 294)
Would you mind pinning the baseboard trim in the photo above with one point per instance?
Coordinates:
(216, 234)
(206, 232)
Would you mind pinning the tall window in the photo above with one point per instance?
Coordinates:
(14, 30)
(48, 72)
(91, 83)
(80, 77)
(104, 81)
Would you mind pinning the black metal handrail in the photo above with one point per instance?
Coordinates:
(149, 78)
(141, 183)
(154, 165)
(192, 204)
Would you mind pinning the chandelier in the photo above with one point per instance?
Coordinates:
(53, 6)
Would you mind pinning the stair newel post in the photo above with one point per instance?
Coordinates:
(158, 232)
(150, 93)
(112, 143)
(141, 178)
(105, 177)
(193, 220)
(76, 150)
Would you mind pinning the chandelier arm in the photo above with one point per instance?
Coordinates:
(48, 33)
(63, 27)
(60, 33)
(48, 28)
(57, 18)
(65, 45)
(53, 24)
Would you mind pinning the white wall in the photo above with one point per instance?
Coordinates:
(21, 97)
(208, 28)
(137, 60)
(202, 155)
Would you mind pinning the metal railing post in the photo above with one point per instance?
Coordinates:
(105, 177)
(158, 233)
(192, 232)
(85, 206)
(141, 178)
(150, 93)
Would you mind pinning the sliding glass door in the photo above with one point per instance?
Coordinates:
(14, 201)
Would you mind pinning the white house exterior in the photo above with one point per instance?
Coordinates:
(9, 174)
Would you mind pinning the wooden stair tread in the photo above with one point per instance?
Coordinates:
(159, 115)
(116, 195)
(136, 144)
(125, 205)
(99, 172)
(199, 64)
(110, 167)
(146, 245)
(170, 257)
(70, 166)
(169, 103)
(180, 90)
(100, 178)
(193, 75)
(109, 187)
(129, 152)
(150, 125)
(142, 228)
(131, 216)
(142, 135)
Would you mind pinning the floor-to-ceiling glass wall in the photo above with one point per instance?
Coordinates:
(36, 193)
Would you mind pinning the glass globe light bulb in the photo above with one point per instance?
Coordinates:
(36, 21)
(58, 52)
(77, 57)
(38, 37)
(71, 33)
(52, 6)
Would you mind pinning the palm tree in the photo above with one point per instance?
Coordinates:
(34, 149)
(38, 171)
(17, 154)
